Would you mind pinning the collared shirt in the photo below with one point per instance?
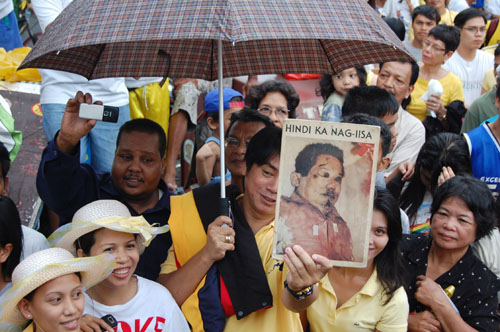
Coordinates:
(411, 137)
(326, 234)
(364, 311)
(476, 287)
(275, 318)
(65, 185)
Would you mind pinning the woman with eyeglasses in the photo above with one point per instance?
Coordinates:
(275, 99)
(439, 46)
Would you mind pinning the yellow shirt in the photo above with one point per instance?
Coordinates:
(364, 311)
(30, 328)
(489, 80)
(452, 90)
(275, 318)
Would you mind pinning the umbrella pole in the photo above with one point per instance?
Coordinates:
(224, 203)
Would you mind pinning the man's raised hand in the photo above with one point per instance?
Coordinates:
(73, 128)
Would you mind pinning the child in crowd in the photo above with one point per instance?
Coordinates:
(107, 226)
(333, 89)
(354, 299)
(208, 156)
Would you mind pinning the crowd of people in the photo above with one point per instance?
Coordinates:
(126, 253)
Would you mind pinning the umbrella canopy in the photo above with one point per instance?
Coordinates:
(139, 38)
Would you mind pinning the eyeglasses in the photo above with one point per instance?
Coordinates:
(434, 47)
(475, 29)
(233, 143)
(280, 112)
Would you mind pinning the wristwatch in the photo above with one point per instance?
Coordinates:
(301, 294)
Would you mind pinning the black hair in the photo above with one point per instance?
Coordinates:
(144, 126)
(397, 26)
(389, 262)
(385, 132)
(466, 15)
(215, 115)
(428, 11)
(370, 100)
(263, 146)
(258, 92)
(449, 35)
(4, 160)
(307, 158)
(247, 115)
(326, 87)
(443, 149)
(497, 50)
(415, 70)
(475, 194)
(86, 241)
(10, 232)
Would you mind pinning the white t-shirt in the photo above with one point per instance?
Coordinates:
(416, 52)
(152, 309)
(33, 241)
(494, 7)
(458, 5)
(411, 137)
(6, 6)
(400, 10)
(59, 86)
(471, 72)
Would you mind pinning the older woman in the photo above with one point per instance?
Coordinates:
(462, 212)
(275, 99)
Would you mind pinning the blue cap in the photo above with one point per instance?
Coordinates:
(212, 100)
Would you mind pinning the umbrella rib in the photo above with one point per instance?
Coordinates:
(212, 55)
(326, 53)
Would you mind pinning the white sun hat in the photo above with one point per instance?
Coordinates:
(105, 213)
(44, 266)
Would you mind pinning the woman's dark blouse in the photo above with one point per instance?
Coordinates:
(476, 287)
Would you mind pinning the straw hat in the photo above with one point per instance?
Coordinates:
(105, 213)
(46, 265)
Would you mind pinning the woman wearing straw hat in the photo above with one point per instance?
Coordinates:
(107, 226)
(47, 290)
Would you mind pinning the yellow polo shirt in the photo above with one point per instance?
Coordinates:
(364, 311)
(275, 318)
(452, 90)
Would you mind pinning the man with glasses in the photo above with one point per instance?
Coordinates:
(468, 62)
(274, 99)
(244, 125)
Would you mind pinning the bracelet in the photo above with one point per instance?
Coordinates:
(301, 294)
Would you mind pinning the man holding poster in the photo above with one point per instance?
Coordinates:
(309, 213)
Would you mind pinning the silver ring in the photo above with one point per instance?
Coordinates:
(228, 238)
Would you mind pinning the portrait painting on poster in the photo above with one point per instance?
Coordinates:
(325, 191)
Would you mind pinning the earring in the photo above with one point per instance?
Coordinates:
(29, 316)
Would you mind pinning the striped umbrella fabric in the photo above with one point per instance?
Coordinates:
(178, 38)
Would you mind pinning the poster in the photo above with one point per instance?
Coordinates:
(325, 191)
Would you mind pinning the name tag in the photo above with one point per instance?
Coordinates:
(315, 230)
(335, 228)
